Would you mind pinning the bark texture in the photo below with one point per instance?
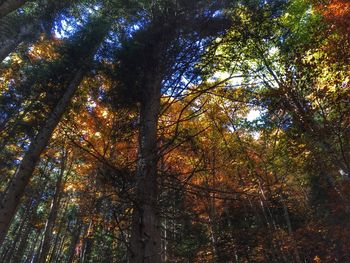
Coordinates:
(146, 241)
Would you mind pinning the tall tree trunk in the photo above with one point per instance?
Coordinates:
(17, 257)
(58, 234)
(53, 214)
(36, 248)
(212, 214)
(8, 248)
(88, 243)
(95, 34)
(29, 217)
(24, 172)
(15, 240)
(74, 242)
(13, 32)
(145, 233)
(31, 253)
(7, 6)
(60, 249)
(290, 230)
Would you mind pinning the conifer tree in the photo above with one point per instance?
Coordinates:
(80, 53)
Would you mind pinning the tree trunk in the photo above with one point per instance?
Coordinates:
(53, 215)
(9, 203)
(88, 243)
(58, 234)
(7, 6)
(59, 250)
(290, 230)
(24, 172)
(16, 239)
(74, 242)
(145, 233)
(30, 30)
(32, 250)
(22, 245)
(7, 48)
(36, 248)
(25, 31)
(8, 248)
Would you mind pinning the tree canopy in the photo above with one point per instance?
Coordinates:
(174, 131)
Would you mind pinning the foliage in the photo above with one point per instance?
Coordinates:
(231, 188)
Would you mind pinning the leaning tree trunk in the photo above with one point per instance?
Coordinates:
(28, 31)
(145, 233)
(8, 47)
(7, 6)
(15, 191)
(95, 34)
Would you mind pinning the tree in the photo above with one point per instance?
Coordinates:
(185, 131)
(27, 27)
(23, 174)
(158, 45)
(44, 250)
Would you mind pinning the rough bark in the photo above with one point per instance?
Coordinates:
(14, 192)
(7, 6)
(145, 236)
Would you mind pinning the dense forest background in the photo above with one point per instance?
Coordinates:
(148, 131)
